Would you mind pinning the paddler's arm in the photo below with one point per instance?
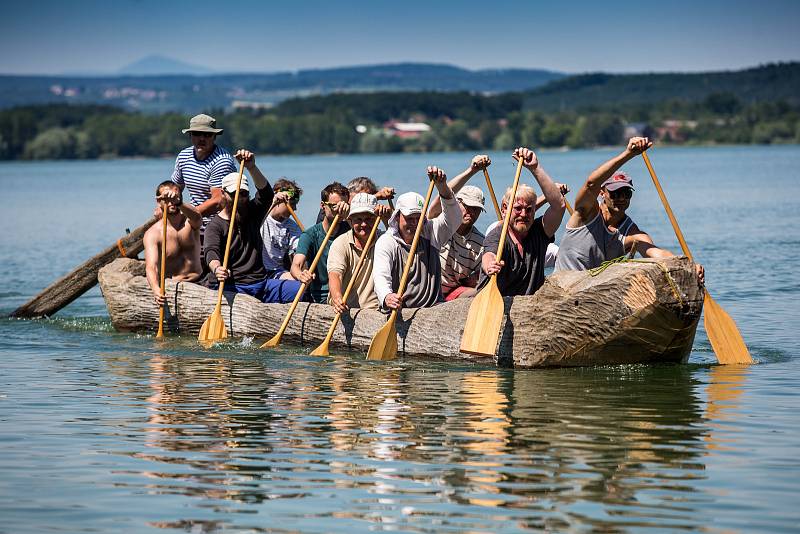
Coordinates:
(477, 164)
(551, 219)
(152, 250)
(382, 268)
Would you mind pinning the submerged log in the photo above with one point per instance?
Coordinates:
(633, 312)
(82, 278)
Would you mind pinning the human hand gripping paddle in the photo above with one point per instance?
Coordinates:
(214, 327)
(482, 328)
(384, 342)
(322, 349)
(721, 329)
(276, 339)
(160, 333)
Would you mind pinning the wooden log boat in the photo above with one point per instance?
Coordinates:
(641, 311)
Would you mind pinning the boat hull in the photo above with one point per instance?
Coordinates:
(633, 312)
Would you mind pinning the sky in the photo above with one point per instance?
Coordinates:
(57, 37)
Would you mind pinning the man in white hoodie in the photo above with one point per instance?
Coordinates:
(424, 286)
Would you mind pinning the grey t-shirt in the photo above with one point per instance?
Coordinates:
(586, 247)
(280, 239)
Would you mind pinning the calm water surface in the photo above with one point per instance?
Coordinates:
(101, 431)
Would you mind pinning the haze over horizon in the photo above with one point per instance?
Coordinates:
(102, 37)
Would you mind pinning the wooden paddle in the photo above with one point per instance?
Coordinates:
(276, 339)
(295, 217)
(482, 328)
(322, 349)
(384, 342)
(491, 193)
(569, 208)
(723, 334)
(163, 267)
(214, 327)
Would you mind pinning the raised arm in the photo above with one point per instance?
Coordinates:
(259, 180)
(151, 261)
(477, 164)
(586, 200)
(552, 217)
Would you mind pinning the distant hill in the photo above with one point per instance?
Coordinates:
(160, 65)
(190, 93)
(771, 82)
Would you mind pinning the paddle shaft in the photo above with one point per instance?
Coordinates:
(277, 338)
(491, 193)
(295, 217)
(509, 209)
(230, 235)
(569, 208)
(664, 201)
(163, 267)
(352, 281)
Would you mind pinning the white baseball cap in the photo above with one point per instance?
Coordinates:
(471, 196)
(363, 203)
(229, 182)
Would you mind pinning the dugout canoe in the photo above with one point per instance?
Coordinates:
(641, 311)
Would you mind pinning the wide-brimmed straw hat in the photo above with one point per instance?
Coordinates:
(203, 123)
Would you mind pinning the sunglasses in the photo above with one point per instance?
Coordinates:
(623, 192)
(523, 209)
(202, 134)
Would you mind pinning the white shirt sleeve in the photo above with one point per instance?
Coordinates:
(382, 266)
(550, 255)
(445, 224)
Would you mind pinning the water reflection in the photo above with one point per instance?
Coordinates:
(414, 443)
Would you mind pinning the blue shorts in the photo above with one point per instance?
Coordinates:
(269, 290)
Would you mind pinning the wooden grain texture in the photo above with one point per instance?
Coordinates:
(82, 278)
(627, 314)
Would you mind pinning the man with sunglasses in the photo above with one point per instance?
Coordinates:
(601, 231)
(334, 201)
(521, 272)
(246, 272)
(201, 167)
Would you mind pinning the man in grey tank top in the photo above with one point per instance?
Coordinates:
(601, 231)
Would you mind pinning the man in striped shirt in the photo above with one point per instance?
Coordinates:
(461, 254)
(201, 167)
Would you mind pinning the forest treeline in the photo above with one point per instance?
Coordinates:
(458, 121)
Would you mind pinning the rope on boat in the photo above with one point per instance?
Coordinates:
(121, 248)
(625, 259)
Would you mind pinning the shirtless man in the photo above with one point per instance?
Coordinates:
(183, 241)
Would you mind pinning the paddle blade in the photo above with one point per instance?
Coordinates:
(213, 329)
(384, 342)
(274, 342)
(482, 328)
(723, 334)
(322, 350)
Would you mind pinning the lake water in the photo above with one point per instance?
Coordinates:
(102, 432)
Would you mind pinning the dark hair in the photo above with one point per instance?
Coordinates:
(362, 184)
(337, 188)
(166, 183)
(285, 184)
